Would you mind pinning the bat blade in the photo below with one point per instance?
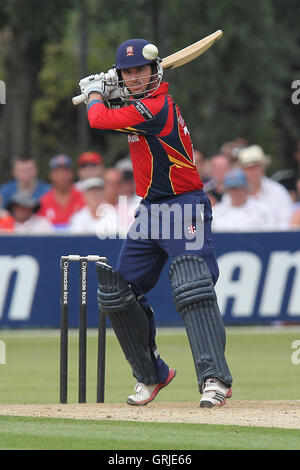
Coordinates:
(191, 52)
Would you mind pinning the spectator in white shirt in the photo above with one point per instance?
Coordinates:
(23, 208)
(238, 212)
(96, 217)
(263, 189)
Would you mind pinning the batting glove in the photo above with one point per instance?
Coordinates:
(92, 83)
(111, 85)
(104, 83)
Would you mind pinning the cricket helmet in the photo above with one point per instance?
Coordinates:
(131, 53)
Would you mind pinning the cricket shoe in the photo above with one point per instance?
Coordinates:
(214, 393)
(146, 393)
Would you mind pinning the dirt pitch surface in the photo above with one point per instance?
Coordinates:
(279, 414)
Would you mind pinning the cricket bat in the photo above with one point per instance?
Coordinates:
(179, 58)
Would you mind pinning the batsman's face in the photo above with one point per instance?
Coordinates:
(137, 79)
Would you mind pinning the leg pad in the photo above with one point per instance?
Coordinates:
(195, 300)
(129, 321)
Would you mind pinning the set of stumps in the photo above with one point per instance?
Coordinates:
(64, 330)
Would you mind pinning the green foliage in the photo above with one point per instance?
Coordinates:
(38, 20)
(241, 87)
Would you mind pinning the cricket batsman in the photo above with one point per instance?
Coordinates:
(166, 178)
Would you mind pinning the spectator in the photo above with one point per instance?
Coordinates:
(263, 189)
(96, 217)
(232, 148)
(201, 165)
(212, 194)
(295, 219)
(112, 184)
(63, 199)
(239, 213)
(23, 209)
(124, 164)
(24, 172)
(297, 203)
(126, 208)
(219, 166)
(89, 165)
(127, 188)
(6, 221)
(289, 177)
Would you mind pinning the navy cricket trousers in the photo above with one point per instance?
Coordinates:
(142, 259)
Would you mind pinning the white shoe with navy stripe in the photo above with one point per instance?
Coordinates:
(214, 393)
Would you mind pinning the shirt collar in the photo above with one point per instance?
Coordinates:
(162, 89)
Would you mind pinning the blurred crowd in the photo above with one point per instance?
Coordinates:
(243, 197)
(86, 197)
(81, 198)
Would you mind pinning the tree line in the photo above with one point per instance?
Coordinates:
(241, 87)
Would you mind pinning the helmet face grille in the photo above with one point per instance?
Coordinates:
(153, 84)
(130, 55)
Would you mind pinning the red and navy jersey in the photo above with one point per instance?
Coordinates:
(160, 145)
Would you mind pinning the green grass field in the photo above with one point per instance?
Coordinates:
(47, 433)
(260, 361)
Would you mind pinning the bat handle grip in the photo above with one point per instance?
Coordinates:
(78, 99)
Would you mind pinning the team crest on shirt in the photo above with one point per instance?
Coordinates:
(129, 51)
(192, 229)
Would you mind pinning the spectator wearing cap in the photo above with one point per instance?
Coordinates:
(63, 199)
(128, 189)
(25, 179)
(96, 217)
(89, 165)
(239, 212)
(23, 209)
(264, 190)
